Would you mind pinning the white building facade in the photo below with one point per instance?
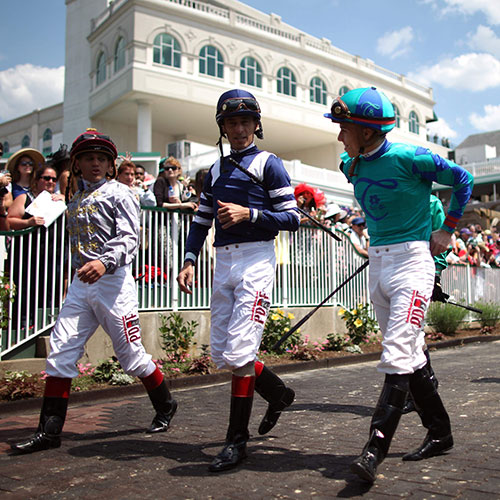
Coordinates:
(149, 73)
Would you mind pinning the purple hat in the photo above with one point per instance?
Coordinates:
(466, 231)
(357, 221)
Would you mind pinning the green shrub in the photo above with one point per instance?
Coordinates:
(336, 342)
(359, 323)
(19, 385)
(177, 334)
(105, 370)
(278, 324)
(490, 316)
(445, 318)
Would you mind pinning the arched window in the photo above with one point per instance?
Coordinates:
(100, 74)
(167, 51)
(317, 91)
(211, 62)
(6, 147)
(413, 123)
(286, 82)
(25, 143)
(47, 141)
(397, 115)
(250, 72)
(343, 90)
(119, 61)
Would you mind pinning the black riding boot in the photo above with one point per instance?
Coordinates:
(165, 407)
(410, 404)
(433, 414)
(383, 426)
(52, 417)
(273, 390)
(235, 449)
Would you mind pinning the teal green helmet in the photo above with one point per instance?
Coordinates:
(368, 107)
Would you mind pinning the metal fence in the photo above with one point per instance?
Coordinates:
(310, 264)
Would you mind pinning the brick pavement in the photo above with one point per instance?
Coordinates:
(106, 453)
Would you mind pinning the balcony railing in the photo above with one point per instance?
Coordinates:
(310, 265)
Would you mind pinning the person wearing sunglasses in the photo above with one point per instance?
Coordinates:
(168, 189)
(22, 166)
(247, 219)
(103, 227)
(358, 237)
(392, 183)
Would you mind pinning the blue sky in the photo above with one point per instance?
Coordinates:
(451, 45)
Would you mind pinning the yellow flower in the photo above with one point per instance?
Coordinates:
(358, 323)
(275, 317)
(360, 306)
(279, 311)
(291, 316)
(341, 312)
(354, 312)
(286, 329)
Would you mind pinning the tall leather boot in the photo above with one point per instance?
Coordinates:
(433, 415)
(383, 426)
(235, 448)
(52, 417)
(410, 404)
(162, 400)
(273, 390)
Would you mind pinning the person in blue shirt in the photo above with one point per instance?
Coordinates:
(392, 183)
(248, 216)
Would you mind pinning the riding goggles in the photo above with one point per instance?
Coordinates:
(340, 111)
(235, 104)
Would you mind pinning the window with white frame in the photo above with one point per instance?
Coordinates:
(397, 116)
(211, 62)
(250, 72)
(47, 141)
(286, 82)
(317, 91)
(100, 73)
(413, 123)
(166, 50)
(119, 59)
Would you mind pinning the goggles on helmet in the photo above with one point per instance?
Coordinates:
(240, 103)
(340, 111)
(92, 140)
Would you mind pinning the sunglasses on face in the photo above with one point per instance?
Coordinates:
(48, 178)
(170, 167)
(26, 163)
(235, 104)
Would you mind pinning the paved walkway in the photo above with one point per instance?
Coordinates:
(106, 454)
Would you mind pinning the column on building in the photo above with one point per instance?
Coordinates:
(144, 127)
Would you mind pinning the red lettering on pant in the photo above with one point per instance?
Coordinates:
(416, 311)
(260, 308)
(131, 327)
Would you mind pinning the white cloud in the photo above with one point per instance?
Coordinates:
(490, 8)
(395, 43)
(489, 121)
(484, 40)
(442, 129)
(25, 88)
(474, 72)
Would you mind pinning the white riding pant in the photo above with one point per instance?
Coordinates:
(241, 297)
(110, 302)
(401, 284)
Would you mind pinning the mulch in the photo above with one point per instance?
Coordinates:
(281, 364)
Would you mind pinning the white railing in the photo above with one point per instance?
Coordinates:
(483, 168)
(310, 266)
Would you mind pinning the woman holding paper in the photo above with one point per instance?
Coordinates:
(36, 263)
(45, 180)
